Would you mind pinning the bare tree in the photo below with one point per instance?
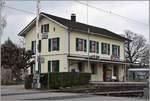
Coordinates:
(145, 58)
(134, 47)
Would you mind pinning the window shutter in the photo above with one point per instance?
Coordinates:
(97, 47)
(102, 48)
(85, 44)
(108, 49)
(77, 44)
(49, 45)
(41, 28)
(112, 49)
(49, 66)
(39, 46)
(58, 44)
(57, 63)
(44, 28)
(119, 51)
(90, 46)
(32, 46)
(47, 27)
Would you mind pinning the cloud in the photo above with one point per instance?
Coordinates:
(137, 10)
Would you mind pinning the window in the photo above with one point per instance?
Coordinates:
(55, 66)
(105, 48)
(54, 29)
(44, 28)
(94, 46)
(33, 46)
(93, 68)
(81, 44)
(115, 50)
(53, 44)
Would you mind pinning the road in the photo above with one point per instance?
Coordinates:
(17, 92)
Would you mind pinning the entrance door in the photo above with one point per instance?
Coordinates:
(107, 73)
(116, 73)
(80, 67)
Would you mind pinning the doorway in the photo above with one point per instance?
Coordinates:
(107, 73)
(116, 72)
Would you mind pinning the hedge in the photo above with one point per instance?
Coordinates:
(61, 79)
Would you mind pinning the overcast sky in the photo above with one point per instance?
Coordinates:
(137, 10)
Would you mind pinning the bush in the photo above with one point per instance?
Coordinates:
(28, 81)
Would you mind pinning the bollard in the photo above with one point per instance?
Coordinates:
(146, 93)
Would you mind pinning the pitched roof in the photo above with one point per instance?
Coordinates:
(73, 25)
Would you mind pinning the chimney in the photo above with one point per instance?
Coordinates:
(73, 17)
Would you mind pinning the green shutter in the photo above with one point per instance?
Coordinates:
(112, 49)
(49, 45)
(41, 28)
(57, 63)
(49, 66)
(32, 46)
(90, 46)
(108, 49)
(85, 45)
(102, 48)
(47, 27)
(97, 47)
(58, 44)
(119, 51)
(77, 44)
(39, 46)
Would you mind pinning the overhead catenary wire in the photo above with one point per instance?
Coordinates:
(91, 6)
(110, 12)
(20, 10)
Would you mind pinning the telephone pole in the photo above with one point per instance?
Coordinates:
(88, 39)
(2, 24)
(37, 55)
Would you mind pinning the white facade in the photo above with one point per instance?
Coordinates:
(67, 55)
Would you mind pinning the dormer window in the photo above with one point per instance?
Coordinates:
(44, 28)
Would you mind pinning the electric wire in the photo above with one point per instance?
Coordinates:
(112, 13)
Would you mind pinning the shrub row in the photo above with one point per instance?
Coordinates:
(60, 79)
